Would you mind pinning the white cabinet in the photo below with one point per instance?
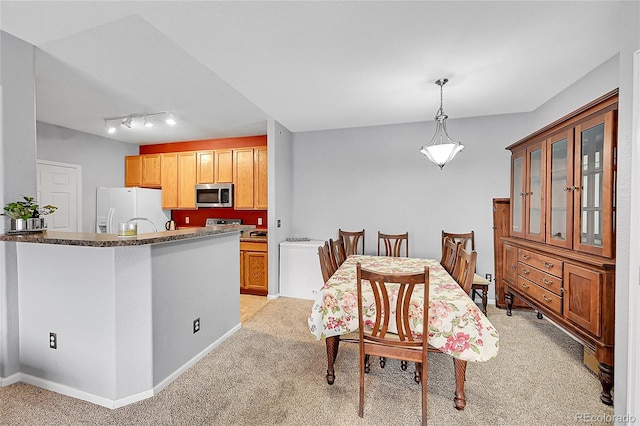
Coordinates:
(300, 274)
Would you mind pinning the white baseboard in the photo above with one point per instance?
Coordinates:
(6, 381)
(85, 396)
(157, 388)
(111, 403)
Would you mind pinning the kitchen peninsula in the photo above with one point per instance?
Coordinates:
(114, 320)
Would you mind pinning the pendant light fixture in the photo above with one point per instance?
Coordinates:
(441, 148)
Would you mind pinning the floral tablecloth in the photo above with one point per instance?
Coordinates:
(456, 325)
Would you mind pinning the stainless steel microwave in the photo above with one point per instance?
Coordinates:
(214, 195)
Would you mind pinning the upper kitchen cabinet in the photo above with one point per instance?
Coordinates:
(250, 178)
(133, 170)
(563, 182)
(178, 180)
(205, 167)
(224, 166)
(142, 170)
(215, 166)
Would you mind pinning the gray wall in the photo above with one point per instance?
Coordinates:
(102, 161)
(279, 143)
(375, 178)
(629, 43)
(18, 171)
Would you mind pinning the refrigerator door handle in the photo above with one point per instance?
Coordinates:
(110, 220)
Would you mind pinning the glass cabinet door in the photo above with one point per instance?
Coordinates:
(517, 194)
(560, 189)
(593, 200)
(535, 193)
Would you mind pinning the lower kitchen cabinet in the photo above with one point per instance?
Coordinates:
(254, 268)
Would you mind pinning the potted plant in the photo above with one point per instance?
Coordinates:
(26, 215)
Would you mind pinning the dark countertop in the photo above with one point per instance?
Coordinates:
(112, 240)
(246, 236)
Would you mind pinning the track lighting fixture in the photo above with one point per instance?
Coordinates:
(129, 121)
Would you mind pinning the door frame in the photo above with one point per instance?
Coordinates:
(78, 169)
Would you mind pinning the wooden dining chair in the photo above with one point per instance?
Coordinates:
(393, 244)
(353, 241)
(480, 286)
(326, 265)
(464, 239)
(449, 251)
(337, 252)
(376, 340)
(464, 266)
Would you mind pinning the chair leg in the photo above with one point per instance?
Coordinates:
(403, 365)
(425, 394)
(361, 396)
(383, 362)
(416, 375)
(484, 302)
(367, 364)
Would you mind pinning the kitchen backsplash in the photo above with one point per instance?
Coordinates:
(199, 216)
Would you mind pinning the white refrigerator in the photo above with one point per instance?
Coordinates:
(116, 205)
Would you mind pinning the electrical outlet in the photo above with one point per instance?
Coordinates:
(186, 219)
(196, 325)
(488, 277)
(279, 223)
(259, 221)
(53, 340)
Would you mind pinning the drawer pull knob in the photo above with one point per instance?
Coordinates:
(526, 271)
(548, 299)
(546, 281)
(548, 265)
(525, 257)
(524, 285)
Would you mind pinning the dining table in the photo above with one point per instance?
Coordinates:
(456, 326)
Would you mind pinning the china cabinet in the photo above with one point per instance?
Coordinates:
(560, 255)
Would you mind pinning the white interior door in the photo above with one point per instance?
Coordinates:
(59, 184)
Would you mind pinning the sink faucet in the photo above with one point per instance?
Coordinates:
(155, 229)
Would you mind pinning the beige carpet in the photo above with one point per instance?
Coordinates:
(272, 371)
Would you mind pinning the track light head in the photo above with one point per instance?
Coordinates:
(127, 121)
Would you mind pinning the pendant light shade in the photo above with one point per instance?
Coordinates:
(441, 149)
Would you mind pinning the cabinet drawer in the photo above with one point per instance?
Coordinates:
(249, 246)
(541, 295)
(544, 263)
(544, 280)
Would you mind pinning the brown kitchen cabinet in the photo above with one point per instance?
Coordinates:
(254, 268)
(560, 255)
(250, 178)
(132, 170)
(178, 180)
(224, 166)
(205, 167)
(142, 170)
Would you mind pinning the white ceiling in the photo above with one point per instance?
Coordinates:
(225, 67)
